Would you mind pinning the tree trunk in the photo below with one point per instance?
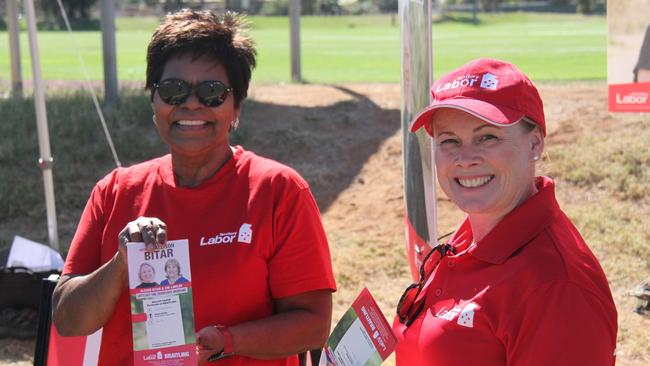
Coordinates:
(489, 5)
(584, 6)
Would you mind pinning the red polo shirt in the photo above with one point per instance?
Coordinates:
(529, 293)
(235, 278)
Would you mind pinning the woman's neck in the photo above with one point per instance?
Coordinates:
(191, 171)
(482, 225)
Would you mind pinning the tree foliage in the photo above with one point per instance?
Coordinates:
(489, 5)
(584, 6)
(78, 12)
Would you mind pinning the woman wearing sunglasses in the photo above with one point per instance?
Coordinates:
(515, 284)
(260, 263)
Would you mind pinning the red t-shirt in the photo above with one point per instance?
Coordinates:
(234, 279)
(529, 293)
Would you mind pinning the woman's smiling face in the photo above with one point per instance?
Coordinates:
(192, 128)
(172, 270)
(147, 273)
(484, 169)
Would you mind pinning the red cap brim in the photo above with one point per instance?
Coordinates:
(490, 113)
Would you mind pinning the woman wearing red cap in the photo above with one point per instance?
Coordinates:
(516, 284)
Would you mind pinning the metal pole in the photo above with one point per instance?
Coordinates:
(432, 206)
(475, 12)
(429, 48)
(45, 160)
(110, 61)
(14, 49)
(419, 170)
(294, 28)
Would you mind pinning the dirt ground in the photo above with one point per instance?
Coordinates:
(346, 140)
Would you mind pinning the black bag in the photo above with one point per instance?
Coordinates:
(21, 288)
(20, 300)
(44, 322)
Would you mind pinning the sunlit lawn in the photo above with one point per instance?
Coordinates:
(353, 49)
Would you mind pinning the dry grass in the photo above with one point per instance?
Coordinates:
(625, 16)
(605, 189)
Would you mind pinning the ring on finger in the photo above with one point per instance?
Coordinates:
(148, 230)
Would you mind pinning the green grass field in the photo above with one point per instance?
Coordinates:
(354, 49)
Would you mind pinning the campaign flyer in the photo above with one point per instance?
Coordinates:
(362, 337)
(162, 314)
(628, 55)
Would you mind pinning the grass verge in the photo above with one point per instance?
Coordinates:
(354, 49)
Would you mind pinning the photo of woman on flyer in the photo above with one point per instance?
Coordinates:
(173, 273)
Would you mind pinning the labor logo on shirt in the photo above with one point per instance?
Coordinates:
(243, 235)
(466, 316)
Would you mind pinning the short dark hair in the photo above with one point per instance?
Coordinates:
(204, 33)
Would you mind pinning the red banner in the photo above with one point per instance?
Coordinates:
(73, 351)
(65, 350)
(416, 249)
(634, 97)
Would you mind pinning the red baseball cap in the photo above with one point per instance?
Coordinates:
(492, 90)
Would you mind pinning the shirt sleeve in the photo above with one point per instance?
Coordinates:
(84, 255)
(563, 324)
(301, 259)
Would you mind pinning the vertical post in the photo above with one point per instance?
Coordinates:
(294, 29)
(14, 49)
(108, 44)
(419, 170)
(475, 12)
(46, 159)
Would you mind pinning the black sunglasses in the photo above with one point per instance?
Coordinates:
(407, 307)
(211, 93)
